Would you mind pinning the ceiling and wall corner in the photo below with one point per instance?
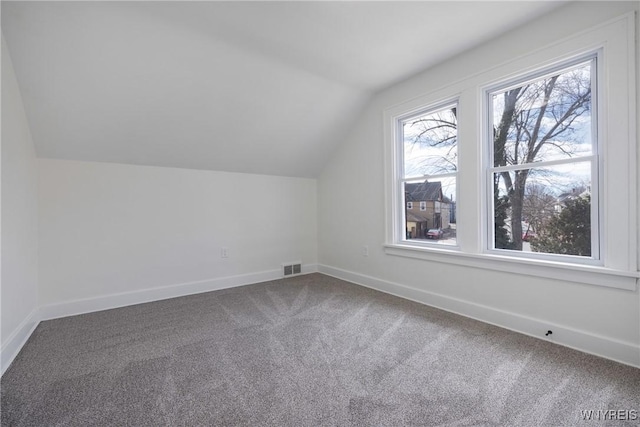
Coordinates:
(254, 87)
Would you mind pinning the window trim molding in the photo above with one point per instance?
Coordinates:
(392, 160)
(619, 251)
(570, 272)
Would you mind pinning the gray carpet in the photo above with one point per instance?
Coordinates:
(309, 350)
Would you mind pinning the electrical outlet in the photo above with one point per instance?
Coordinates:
(365, 250)
(224, 253)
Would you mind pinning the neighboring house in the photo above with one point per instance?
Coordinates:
(426, 207)
(582, 191)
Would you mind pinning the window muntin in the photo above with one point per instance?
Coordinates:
(544, 155)
(428, 142)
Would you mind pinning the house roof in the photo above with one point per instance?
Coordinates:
(424, 191)
(415, 217)
(257, 87)
(581, 191)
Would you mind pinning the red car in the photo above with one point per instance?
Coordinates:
(435, 233)
(528, 235)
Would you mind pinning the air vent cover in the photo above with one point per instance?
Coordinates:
(291, 269)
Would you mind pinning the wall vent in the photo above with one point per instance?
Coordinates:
(291, 269)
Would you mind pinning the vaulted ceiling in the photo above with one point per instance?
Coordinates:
(257, 87)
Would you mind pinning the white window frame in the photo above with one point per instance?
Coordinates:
(400, 234)
(594, 159)
(423, 206)
(409, 205)
(617, 177)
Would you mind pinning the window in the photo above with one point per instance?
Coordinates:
(526, 167)
(544, 159)
(429, 151)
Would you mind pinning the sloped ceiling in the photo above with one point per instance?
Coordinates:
(256, 87)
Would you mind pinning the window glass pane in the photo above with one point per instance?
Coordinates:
(430, 143)
(432, 216)
(548, 119)
(544, 209)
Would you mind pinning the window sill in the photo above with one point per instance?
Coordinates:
(593, 275)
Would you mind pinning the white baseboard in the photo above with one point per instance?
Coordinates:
(89, 305)
(309, 268)
(620, 351)
(18, 339)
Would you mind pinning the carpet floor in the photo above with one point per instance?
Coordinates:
(304, 351)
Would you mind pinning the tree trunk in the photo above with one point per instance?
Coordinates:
(516, 219)
(516, 197)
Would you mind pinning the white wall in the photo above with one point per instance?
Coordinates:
(114, 234)
(351, 215)
(18, 293)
